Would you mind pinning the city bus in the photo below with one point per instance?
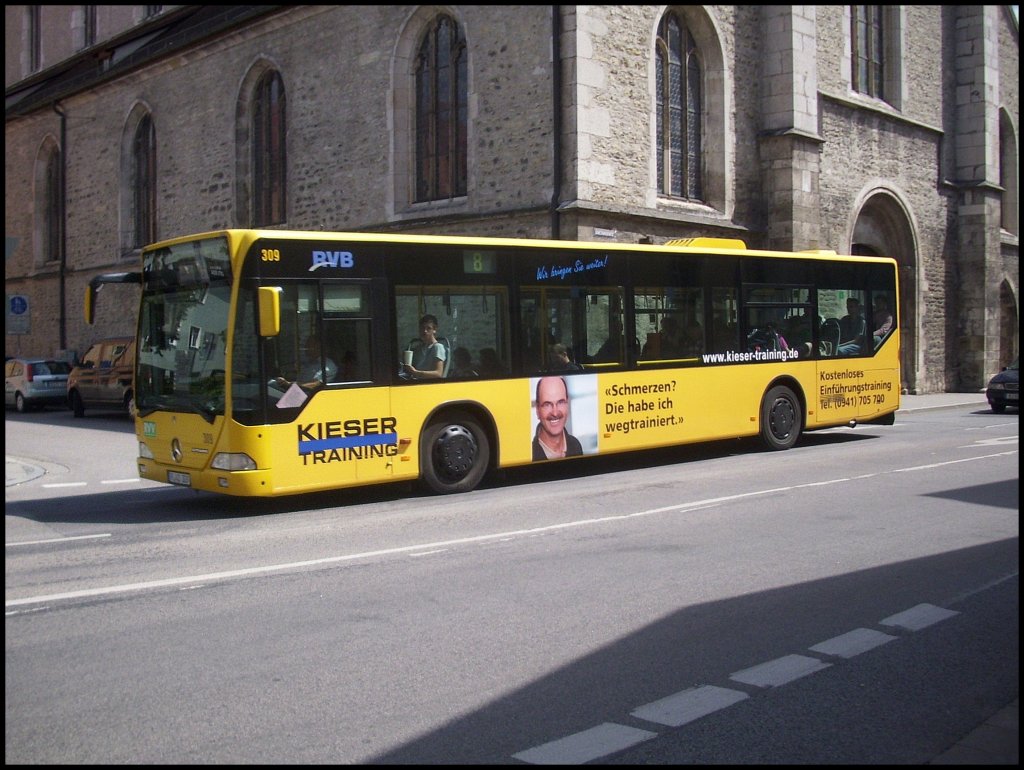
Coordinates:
(691, 341)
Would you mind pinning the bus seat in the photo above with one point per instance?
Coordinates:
(830, 337)
(447, 355)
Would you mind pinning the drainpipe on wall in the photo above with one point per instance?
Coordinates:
(62, 322)
(556, 88)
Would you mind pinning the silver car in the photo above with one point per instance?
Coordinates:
(35, 382)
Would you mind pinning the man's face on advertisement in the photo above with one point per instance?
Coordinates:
(552, 405)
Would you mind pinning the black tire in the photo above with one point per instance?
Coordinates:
(454, 454)
(998, 408)
(781, 418)
(19, 403)
(77, 406)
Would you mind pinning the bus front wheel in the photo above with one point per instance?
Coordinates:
(455, 453)
(781, 420)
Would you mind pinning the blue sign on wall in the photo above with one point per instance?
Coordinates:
(17, 321)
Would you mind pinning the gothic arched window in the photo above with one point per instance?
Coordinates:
(269, 171)
(680, 111)
(441, 97)
(143, 184)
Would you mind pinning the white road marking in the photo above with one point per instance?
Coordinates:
(991, 584)
(932, 466)
(688, 705)
(497, 536)
(852, 643)
(585, 746)
(780, 671)
(65, 484)
(997, 441)
(56, 540)
(692, 704)
(921, 616)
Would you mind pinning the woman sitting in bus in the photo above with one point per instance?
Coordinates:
(462, 363)
(882, 319)
(490, 364)
(665, 344)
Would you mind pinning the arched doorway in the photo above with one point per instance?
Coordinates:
(882, 228)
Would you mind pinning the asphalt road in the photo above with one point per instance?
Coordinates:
(851, 600)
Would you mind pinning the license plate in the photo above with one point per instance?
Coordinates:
(1012, 396)
(181, 479)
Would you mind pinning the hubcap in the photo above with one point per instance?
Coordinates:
(783, 418)
(454, 452)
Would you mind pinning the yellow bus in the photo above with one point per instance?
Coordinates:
(526, 351)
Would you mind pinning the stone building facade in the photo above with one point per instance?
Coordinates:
(561, 142)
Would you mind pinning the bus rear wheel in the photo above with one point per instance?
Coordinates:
(781, 418)
(455, 453)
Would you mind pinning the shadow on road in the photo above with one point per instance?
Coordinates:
(173, 504)
(98, 419)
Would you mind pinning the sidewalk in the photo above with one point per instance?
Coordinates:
(941, 400)
(995, 742)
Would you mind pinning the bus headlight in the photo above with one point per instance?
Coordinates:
(144, 451)
(233, 461)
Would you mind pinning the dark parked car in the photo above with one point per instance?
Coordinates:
(1004, 389)
(35, 382)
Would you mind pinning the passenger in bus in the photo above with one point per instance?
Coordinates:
(766, 339)
(311, 374)
(428, 355)
(882, 319)
(349, 367)
(552, 440)
(462, 363)
(561, 361)
(668, 343)
(611, 350)
(691, 337)
(490, 364)
(852, 328)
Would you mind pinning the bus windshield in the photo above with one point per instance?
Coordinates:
(183, 322)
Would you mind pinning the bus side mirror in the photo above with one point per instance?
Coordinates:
(270, 310)
(97, 283)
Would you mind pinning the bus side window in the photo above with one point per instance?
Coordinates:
(474, 317)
